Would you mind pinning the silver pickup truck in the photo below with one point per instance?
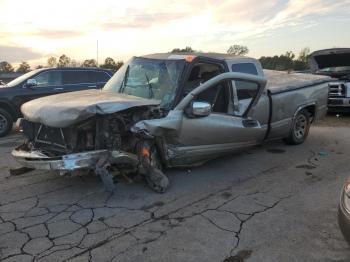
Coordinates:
(335, 63)
(169, 110)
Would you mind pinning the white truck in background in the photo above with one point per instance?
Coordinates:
(334, 62)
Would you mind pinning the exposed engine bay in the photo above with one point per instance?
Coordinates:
(119, 149)
(111, 132)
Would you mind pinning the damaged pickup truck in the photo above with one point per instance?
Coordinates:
(169, 110)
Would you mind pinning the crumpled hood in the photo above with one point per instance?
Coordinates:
(335, 57)
(63, 110)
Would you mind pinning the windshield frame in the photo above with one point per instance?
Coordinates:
(117, 82)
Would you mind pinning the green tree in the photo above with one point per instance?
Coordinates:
(6, 67)
(287, 61)
(111, 64)
(118, 65)
(187, 49)
(237, 50)
(90, 63)
(301, 63)
(24, 67)
(63, 61)
(52, 61)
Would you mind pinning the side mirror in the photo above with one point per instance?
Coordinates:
(31, 83)
(198, 109)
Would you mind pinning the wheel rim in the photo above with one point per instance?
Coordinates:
(3, 123)
(300, 126)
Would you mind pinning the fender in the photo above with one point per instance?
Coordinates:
(304, 106)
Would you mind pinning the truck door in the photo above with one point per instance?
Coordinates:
(225, 128)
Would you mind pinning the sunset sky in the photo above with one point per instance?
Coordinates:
(34, 30)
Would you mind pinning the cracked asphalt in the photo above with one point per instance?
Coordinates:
(269, 203)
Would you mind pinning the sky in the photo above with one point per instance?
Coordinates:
(35, 30)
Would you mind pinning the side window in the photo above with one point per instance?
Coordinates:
(246, 91)
(49, 78)
(218, 96)
(98, 77)
(75, 77)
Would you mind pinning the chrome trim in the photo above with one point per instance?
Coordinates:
(70, 162)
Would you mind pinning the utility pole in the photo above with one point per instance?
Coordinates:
(97, 52)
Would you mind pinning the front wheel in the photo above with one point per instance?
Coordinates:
(300, 128)
(6, 122)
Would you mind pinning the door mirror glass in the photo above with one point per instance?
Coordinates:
(31, 83)
(198, 109)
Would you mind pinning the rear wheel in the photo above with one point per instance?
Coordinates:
(6, 122)
(300, 128)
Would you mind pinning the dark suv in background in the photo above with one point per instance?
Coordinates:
(44, 82)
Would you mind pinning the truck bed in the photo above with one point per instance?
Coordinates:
(278, 81)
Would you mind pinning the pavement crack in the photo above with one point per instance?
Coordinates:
(267, 208)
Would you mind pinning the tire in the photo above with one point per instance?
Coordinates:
(300, 128)
(6, 122)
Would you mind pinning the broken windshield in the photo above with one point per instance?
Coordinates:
(148, 78)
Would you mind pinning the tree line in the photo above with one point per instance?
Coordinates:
(62, 61)
(283, 62)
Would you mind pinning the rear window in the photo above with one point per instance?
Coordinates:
(245, 90)
(247, 68)
(98, 77)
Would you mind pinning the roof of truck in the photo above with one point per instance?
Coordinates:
(183, 55)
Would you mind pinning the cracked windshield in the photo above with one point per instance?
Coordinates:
(148, 78)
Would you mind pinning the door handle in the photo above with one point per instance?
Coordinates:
(93, 86)
(58, 88)
(250, 123)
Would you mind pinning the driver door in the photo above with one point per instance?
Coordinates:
(221, 131)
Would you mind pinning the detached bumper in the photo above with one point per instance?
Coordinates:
(38, 160)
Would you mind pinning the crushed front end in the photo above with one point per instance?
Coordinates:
(102, 143)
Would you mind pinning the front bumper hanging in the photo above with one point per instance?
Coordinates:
(70, 162)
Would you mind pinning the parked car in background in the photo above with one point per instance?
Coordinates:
(168, 110)
(344, 210)
(335, 63)
(44, 82)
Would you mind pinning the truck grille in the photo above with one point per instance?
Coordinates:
(337, 90)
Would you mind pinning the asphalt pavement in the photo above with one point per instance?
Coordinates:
(270, 203)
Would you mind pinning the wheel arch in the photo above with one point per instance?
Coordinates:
(10, 109)
(310, 108)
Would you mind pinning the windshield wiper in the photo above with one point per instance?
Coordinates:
(150, 88)
(123, 84)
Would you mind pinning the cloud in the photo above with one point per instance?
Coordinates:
(145, 26)
(56, 34)
(16, 54)
(135, 18)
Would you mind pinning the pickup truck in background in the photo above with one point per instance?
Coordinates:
(169, 110)
(336, 64)
(44, 82)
